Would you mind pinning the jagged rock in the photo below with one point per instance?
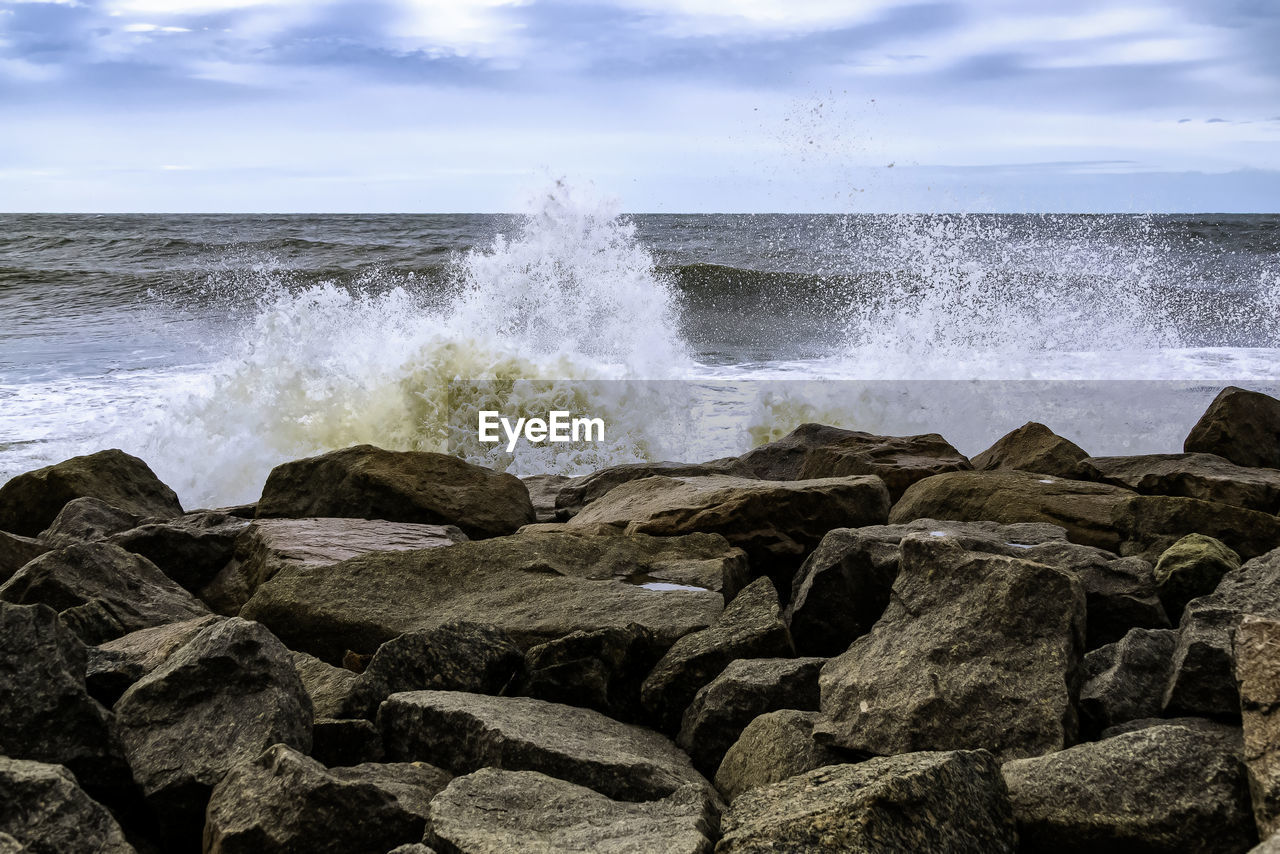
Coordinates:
(1205, 476)
(9, 845)
(467, 732)
(953, 801)
(345, 741)
(284, 802)
(329, 687)
(773, 747)
(117, 664)
(191, 549)
(220, 700)
(750, 627)
(1126, 680)
(16, 552)
(601, 670)
(415, 848)
(581, 491)
(461, 656)
(44, 811)
(1167, 788)
(543, 490)
(1258, 669)
(1203, 682)
(534, 586)
(1270, 846)
(746, 689)
(974, 650)
(31, 501)
(101, 591)
(1242, 426)
(1190, 568)
(84, 520)
(496, 812)
(1033, 447)
(364, 482)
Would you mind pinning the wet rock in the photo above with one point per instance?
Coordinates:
(952, 801)
(101, 591)
(1205, 476)
(285, 802)
(1033, 447)
(84, 520)
(1242, 426)
(44, 811)
(191, 549)
(329, 687)
(1258, 668)
(1190, 568)
(345, 741)
(30, 502)
(581, 491)
(364, 482)
(219, 701)
(974, 650)
(1163, 788)
(897, 460)
(495, 812)
(461, 656)
(1126, 680)
(534, 586)
(117, 664)
(543, 489)
(773, 747)
(466, 732)
(743, 691)
(601, 670)
(16, 552)
(750, 627)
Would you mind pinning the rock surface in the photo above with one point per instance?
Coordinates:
(543, 490)
(329, 687)
(581, 491)
(1257, 652)
(1033, 447)
(83, 520)
(1205, 476)
(16, 552)
(1242, 426)
(44, 811)
(897, 460)
(117, 664)
(771, 748)
(601, 670)
(190, 549)
(1190, 568)
(1126, 680)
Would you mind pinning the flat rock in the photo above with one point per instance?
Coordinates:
(578, 492)
(284, 802)
(44, 811)
(773, 747)
(1190, 568)
(1033, 447)
(953, 801)
(329, 687)
(1126, 680)
(975, 650)
(495, 812)
(535, 586)
(466, 732)
(601, 670)
(1205, 476)
(1242, 426)
(1258, 670)
(16, 552)
(364, 482)
(190, 549)
(83, 520)
(1165, 788)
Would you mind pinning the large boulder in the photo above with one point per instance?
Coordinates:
(117, 664)
(364, 482)
(496, 812)
(1125, 681)
(190, 549)
(750, 627)
(953, 801)
(1190, 568)
(974, 651)
(1033, 447)
(601, 669)
(535, 586)
(16, 552)
(1258, 669)
(1243, 426)
(773, 747)
(101, 591)
(30, 502)
(84, 520)
(578, 492)
(284, 802)
(1204, 476)
(466, 732)
(1168, 788)
(44, 811)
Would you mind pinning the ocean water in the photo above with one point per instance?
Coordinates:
(217, 346)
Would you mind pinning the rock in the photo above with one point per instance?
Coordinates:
(101, 591)
(543, 489)
(222, 699)
(750, 627)
(466, 732)
(746, 689)
(84, 520)
(44, 811)
(784, 459)
(31, 501)
(460, 656)
(1126, 680)
(9, 845)
(974, 650)
(1258, 669)
(534, 586)
(191, 549)
(285, 802)
(1205, 476)
(329, 687)
(16, 552)
(1033, 447)
(953, 801)
(415, 848)
(495, 812)
(345, 741)
(601, 670)
(1190, 568)
(364, 482)
(773, 747)
(581, 491)
(1158, 789)
(1270, 846)
(117, 664)
(1242, 426)
(775, 522)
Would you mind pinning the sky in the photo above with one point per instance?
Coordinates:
(666, 105)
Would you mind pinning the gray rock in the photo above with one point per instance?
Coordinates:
(543, 491)
(16, 552)
(117, 664)
(1205, 476)
(329, 687)
(84, 520)
(415, 848)
(1243, 426)
(601, 670)
(953, 801)
(1126, 680)
(346, 741)
(1271, 846)
(284, 802)
(746, 689)
(1258, 669)
(975, 650)
(1190, 568)
(750, 627)
(44, 811)
(496, 812)
(1033, 447)
(1158, 789)
(578, 492)
(190, 549)
(467, 732)
(773, 747)
(9, 845)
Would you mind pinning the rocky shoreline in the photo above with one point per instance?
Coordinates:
(835, 642)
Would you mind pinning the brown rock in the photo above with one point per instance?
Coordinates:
(773, 747)
(16, 552)
(1243, 426)
(1033, 447)
(1204, 476)
(1257, 652)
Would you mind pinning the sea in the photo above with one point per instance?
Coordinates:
(218, 346)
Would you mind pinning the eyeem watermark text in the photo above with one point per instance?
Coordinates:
(556, 427)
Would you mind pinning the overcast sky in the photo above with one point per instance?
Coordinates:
(669, 105)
